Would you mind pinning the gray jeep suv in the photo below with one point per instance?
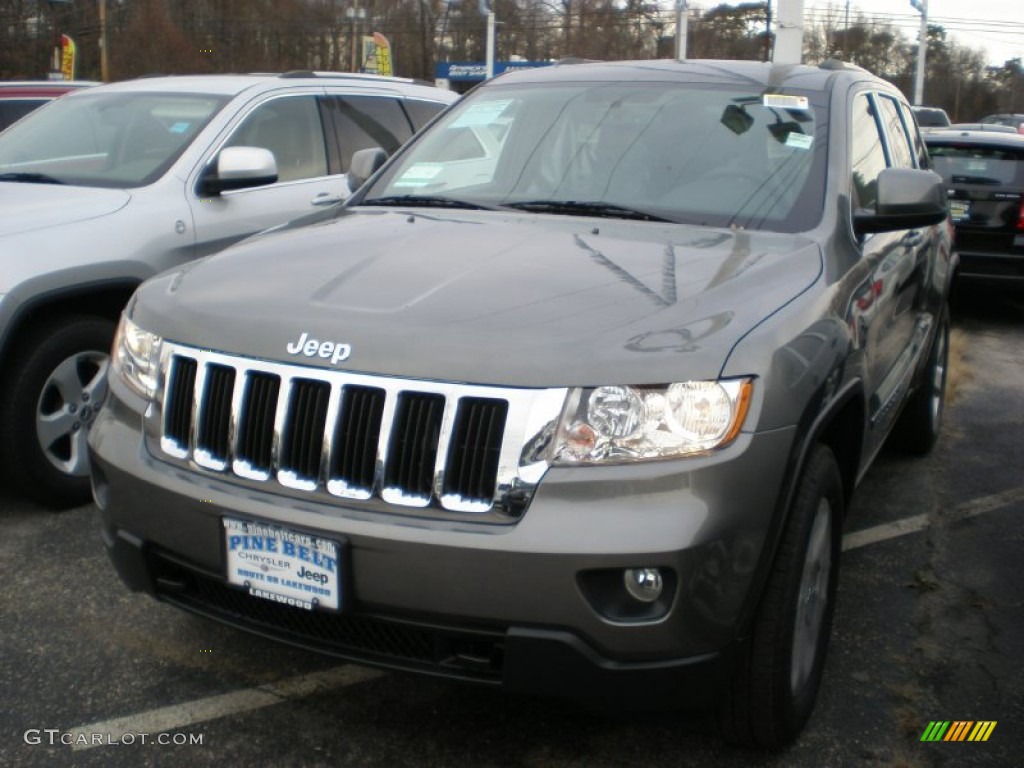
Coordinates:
(570, 398)
(106, 187)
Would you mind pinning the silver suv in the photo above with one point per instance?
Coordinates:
(570, 397)
(109, 186)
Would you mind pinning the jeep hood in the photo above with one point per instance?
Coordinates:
(487, 297)
(28, 207)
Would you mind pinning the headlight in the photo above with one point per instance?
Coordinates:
(619, 423)
(136, 357)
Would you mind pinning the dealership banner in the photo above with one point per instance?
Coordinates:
(383, 54)
(68, 52)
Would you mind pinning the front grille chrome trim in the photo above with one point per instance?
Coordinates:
(356, 401)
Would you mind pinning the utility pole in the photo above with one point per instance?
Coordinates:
(104, 62)
(682, 28)
(922, 49)
(488, 13)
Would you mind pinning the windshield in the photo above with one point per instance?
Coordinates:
(658, 151)
(104, 139)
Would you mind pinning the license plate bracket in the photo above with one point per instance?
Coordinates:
(285, 566)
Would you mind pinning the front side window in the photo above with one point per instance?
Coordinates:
(684, 152)
(112, 139)
(290, 128)
(868, 154)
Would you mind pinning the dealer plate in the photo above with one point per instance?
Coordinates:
(282, 565)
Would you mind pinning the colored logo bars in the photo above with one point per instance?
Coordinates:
(958, 730)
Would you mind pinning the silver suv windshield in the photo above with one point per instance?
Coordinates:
(678, 152)
(104, 139)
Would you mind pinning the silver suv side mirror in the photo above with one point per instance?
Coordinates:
(238, 168)
(365, 163)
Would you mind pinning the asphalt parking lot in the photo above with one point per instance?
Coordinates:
(929, 627)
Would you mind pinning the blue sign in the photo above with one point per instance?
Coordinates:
(473, 71)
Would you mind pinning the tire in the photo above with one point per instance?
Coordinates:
(776, 683)
(917, 429)
(56, 384)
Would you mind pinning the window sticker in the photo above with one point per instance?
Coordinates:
(179, 127)
(483, 113)
(782, 101)
(799, 140)
(419, 175)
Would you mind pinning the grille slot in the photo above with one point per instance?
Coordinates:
(180, 394)
(215, 412)
(256, 426)
(354, 459)
(380, 443)
(472, 464)
(412, 452)
(304, 434)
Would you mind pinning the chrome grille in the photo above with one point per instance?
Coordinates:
(425, 447)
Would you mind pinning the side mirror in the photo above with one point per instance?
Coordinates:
(238, 168)
(907, 199)
(365, 163)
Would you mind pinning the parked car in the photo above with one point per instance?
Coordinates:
(996, 127)
(584, 422)
(1014, 120)
(19, 97)
(984, 175)
(931, 117)
(113, 184)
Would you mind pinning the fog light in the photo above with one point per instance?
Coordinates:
(644, 584)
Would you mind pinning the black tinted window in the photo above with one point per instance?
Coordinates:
(362, 122)
(421, 112)
(12, 111)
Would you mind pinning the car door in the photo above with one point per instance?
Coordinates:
(895, 329)
(292, 127)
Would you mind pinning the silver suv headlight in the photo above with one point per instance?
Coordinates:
(136, 357)
(623, 423)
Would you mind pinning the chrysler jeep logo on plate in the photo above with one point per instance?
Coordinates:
(333, 350)
(281, 565)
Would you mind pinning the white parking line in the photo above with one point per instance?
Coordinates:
(920, 522)
(201, 710)
(189, 713)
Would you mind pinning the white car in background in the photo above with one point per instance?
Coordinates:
(111, 185)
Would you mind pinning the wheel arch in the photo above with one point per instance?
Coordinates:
(105, 298)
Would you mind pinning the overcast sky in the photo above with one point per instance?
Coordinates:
(996, 26)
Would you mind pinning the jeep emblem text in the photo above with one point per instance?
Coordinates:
(315, 348)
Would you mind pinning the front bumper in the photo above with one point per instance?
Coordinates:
(528, 606)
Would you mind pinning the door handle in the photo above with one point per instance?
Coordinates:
(326, 198)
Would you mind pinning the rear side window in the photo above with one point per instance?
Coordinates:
(421, 112)
(362, 122)
(966, 164)
(868, 158)
(899, 141)
(915, 135)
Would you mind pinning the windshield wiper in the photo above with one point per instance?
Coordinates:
(30, 178)
(428, 201)
(583, 208)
